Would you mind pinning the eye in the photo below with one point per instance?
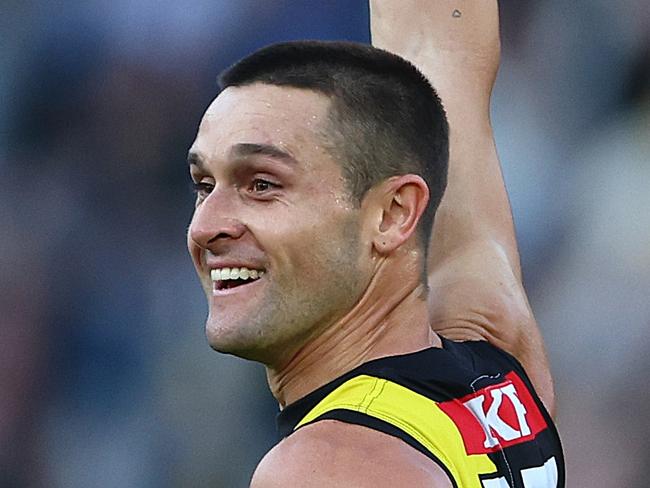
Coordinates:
(201, 188)
(259, 185)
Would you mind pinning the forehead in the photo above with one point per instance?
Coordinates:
(289, 118)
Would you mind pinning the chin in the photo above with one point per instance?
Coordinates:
(233, 342)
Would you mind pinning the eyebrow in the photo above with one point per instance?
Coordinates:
(245, 149)
(194, 159)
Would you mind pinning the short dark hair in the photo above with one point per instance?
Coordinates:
(385, 119)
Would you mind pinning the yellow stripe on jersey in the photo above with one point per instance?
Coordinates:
(415, 414)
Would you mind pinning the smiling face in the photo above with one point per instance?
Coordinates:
(272, 208)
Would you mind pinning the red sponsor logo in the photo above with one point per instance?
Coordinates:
(497, 416)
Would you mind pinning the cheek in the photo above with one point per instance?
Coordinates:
(301, 243)
(189, 243)
(195, 252)
(327, 243)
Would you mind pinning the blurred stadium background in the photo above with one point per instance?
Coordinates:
(106, 379)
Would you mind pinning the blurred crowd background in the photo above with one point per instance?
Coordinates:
(106, 379)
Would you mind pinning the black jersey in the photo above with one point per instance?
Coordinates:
(468, 406)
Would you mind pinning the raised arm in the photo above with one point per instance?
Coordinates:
(474, 268)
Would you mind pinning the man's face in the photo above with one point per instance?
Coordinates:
(272, 201)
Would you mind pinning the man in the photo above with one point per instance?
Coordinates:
(318, 171)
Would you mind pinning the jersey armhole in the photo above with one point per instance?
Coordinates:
(358, 418)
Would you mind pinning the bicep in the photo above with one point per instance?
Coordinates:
(477, 288)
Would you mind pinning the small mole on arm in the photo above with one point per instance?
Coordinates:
(456, 13)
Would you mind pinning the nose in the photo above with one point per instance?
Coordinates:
(214, 222)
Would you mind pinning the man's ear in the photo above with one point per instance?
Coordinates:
(403, 200)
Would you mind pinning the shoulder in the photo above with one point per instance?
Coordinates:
(331, 453)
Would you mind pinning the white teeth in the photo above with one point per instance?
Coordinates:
(223, 274)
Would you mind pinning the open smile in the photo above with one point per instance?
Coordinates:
(229, 280)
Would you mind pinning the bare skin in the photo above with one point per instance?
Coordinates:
(364, 304)
(475, 278)
(474, 269)
(241, 220)
(333, 454)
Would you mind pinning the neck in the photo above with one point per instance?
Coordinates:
(389, 319)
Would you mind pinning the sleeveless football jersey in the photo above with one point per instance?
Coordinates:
(468, 406)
